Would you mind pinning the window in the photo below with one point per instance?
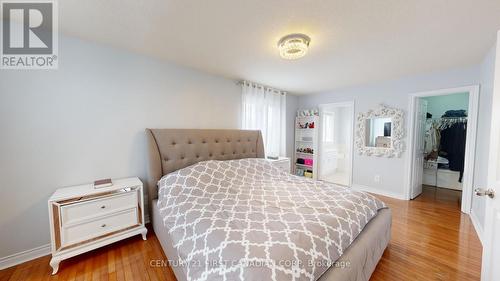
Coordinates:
(264, 109)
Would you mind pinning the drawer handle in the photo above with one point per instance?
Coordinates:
(103, 207)
(103, 225)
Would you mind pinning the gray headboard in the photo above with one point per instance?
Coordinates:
(173, 149)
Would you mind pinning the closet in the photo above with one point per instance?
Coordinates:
(445, 140)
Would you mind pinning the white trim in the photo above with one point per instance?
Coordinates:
(24, 256)
(378, 191)
(477, 226)
(352, 105)
(353, 123)
(470, 148)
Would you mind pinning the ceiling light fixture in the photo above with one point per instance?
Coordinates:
(293, 46)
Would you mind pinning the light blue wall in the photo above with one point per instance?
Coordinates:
(86, 121)
(392, 171)
(438, 105)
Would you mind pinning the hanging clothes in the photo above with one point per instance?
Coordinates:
(453, 140)
(455, 113)
(432, 137)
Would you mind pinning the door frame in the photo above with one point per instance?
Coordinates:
(352, 105)
(470, 147)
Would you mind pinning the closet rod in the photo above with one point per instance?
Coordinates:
(439, 118)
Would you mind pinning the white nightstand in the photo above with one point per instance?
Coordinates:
(83, 218)
(282, 163)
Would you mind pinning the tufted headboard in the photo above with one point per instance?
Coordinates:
(172, 149)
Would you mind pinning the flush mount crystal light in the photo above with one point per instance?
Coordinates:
(293, 46)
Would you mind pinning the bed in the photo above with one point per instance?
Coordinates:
(175, 154)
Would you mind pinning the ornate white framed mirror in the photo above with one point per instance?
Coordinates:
(380, 132)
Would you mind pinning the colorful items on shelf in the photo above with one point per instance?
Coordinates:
(305, 150)
(308, 112)
(304, 173)
(306, 143)
(305, 161)
(307, 125)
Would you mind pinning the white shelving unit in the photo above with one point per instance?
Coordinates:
(306, 139)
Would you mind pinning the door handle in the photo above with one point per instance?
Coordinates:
(485, 192)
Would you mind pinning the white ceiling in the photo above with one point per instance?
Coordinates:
(352, 41)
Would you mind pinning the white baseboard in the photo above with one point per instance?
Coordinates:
(24, 256)
(477, 225)
(34, 253)
(378, 191)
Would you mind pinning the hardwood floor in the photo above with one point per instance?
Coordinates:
(125, 260)
(431, 240)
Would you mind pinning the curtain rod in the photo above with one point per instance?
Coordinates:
(256, 85)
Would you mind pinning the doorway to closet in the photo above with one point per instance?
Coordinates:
(442, 140)
(335, 143)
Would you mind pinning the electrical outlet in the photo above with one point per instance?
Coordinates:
(376, 178)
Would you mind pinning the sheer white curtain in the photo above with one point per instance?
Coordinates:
(264, 109)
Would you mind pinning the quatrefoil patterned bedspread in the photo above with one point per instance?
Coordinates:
(248, 220)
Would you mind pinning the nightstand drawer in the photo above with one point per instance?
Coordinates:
(99, 227)
(283, 165)
(83, 218)
(74, 212)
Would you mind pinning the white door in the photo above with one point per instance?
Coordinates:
(491, 247)
(418, 164)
